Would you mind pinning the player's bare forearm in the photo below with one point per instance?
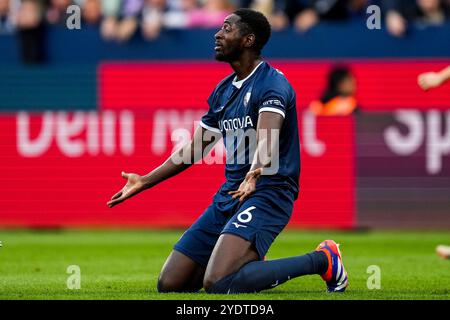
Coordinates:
(179, 161)
(171, 167)
(445, 74)
(136, 183)
(267, 134)
(431, 80)
(182, 159)
(165, 171)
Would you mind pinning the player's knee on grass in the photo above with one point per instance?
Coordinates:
(167, 285)
(238, 282)
(180, 274)
(210, 280)
(218, 285)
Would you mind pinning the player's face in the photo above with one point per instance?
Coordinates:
(229, 44)
(348, 86)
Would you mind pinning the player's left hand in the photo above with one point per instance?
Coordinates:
(248, 186)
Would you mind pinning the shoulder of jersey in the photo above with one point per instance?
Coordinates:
(274, 77)
(279, 74)
(228, 78)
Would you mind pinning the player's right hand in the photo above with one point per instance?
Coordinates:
(133, 186)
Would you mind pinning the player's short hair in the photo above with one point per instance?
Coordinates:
(254, 22)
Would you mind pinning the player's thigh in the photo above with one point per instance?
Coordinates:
(262, 217)
(250, 232)
(184, 269)
(180, 273)
(199, 240)
(229, 255)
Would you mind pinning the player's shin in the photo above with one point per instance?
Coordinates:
(261, 275)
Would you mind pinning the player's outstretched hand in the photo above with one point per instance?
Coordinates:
(134, 186)
(248, 186)
(429, 80)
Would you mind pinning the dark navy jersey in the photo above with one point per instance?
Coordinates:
(234, 107)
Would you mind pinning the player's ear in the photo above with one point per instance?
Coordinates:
(249, 40)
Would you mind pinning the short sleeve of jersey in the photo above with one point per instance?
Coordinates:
(209, 120)
(274, 99)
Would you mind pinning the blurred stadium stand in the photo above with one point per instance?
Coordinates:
(327, 40)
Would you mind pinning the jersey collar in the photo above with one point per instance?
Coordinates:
(238, 84)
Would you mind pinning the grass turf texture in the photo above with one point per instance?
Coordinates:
(125, 265)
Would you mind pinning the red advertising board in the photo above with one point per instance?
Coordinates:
(60, 168)
(382, 86)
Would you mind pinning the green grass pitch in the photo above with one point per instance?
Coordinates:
(125, 265)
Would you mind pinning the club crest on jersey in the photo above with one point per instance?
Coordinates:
(247, 98)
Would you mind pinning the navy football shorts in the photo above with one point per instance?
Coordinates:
(259, 219)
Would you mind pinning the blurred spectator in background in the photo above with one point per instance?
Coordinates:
(56, 11)
(121, 19)
(158, 14)
(305, 14)
(110, 12)
(274, 12)
(91, 11)
(422, 13)
(153, 16)
(339, 96)
(8, 12)
(30, 24)
(266, 7)
(130, 14)
(177, 13)
(210, 15)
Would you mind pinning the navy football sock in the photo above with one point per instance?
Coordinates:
(260, 275)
